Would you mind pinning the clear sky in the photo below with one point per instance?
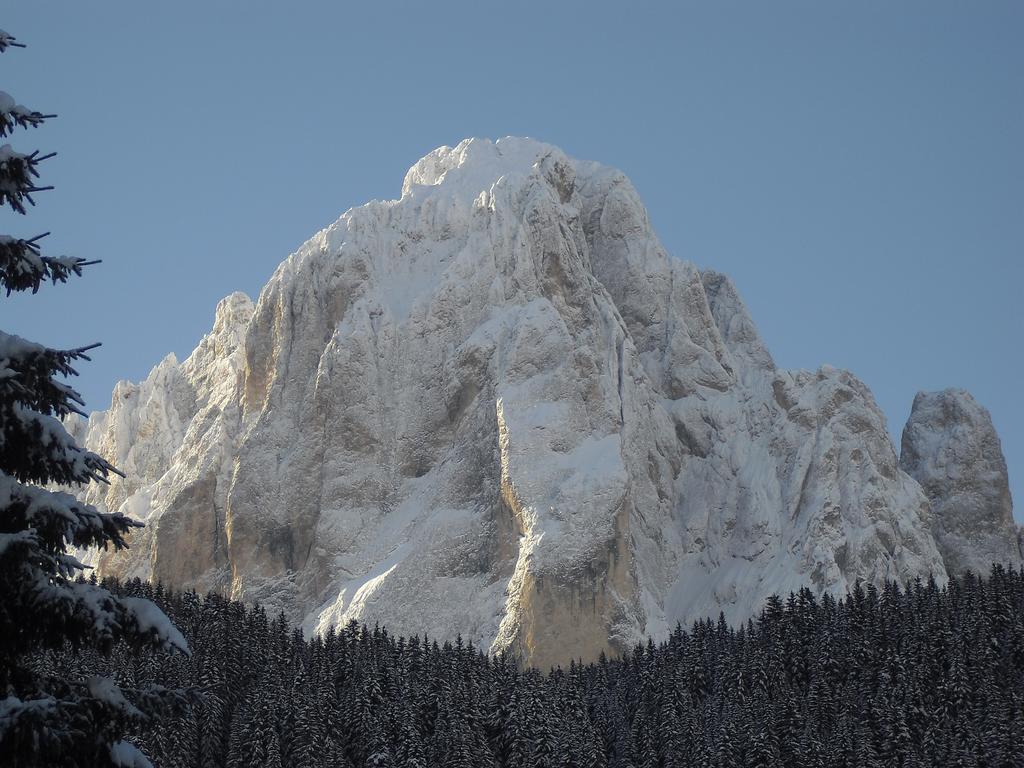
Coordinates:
(857, 168)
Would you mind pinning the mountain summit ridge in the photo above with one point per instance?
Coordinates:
(497, 407)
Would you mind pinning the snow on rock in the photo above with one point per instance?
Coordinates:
(951, 448)
(496, 407)
(174, 436)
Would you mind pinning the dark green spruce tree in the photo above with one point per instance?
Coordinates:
(48, 719)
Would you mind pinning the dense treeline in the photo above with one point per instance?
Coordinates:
(923, 677)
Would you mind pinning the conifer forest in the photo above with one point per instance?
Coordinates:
(926, 676)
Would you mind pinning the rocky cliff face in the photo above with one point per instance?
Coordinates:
(951, 448)
(174, 435)
(497, 407)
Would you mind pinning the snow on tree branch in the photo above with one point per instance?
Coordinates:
(8, 41)
(23, 267)
(14, 115)
(17, 171)
(57, 516)
(36, 448)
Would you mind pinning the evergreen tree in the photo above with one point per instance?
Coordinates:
(47, 719)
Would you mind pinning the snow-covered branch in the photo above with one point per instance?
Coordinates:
(23, 267)
(36, 448)
(8, 41)
(17, 171)
(14, 115)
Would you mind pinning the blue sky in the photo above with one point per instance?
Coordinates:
(857, 168)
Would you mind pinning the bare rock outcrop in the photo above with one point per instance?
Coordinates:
(951, 448)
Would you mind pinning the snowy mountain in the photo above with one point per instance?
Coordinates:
(498, 407)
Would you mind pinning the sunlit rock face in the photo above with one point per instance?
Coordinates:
(174, 437)
(496, 407)
(951, 448)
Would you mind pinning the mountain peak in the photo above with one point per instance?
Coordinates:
(951, 448)
(476, 165)
(497, 407)
(233, 311)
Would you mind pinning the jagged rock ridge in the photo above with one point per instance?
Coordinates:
(496, 407)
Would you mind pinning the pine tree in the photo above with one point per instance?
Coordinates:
(44, 719)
